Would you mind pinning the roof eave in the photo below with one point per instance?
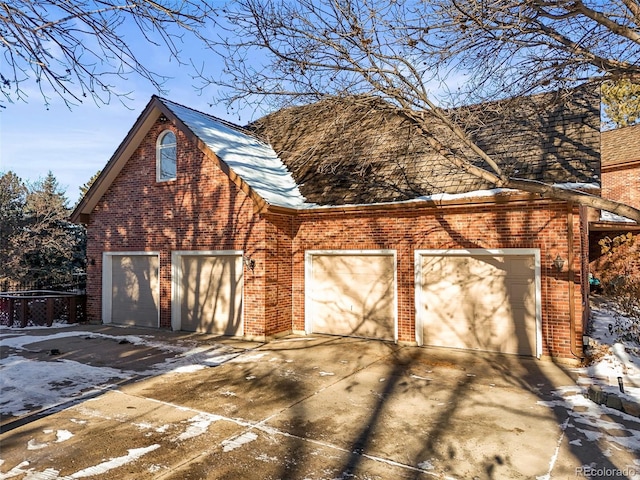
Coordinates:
(608, 226)
(620, 165)
(127, 147)
(500, 198)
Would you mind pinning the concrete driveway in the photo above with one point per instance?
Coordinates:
(315, 407)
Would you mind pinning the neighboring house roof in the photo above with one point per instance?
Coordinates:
(360, 150)
(621, 146)
(620, 151)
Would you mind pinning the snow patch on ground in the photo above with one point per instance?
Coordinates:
(188, 369)
(63, 436)
(238, 441)
(199, 425)
(596, 423)
(34, 445)
(615, 359)
(426, 465)
(102, 468)
(29, 384)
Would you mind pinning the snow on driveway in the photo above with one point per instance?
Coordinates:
(29, 384)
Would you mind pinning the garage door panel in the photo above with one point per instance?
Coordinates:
(211, 294)
(457, 317)
(134, 290)
(484, 302)
(353, 295)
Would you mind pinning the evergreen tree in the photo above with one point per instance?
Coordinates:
(621, 103)
(51, 249)
(85, 188)
(13, 193)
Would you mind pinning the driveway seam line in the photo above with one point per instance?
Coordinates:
(276, 431)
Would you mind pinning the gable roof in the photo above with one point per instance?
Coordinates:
(359, 150)
(621, 146)
(250, 162)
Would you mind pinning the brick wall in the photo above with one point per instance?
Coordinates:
(622, 183)
(531, 224)
(200, 210)
(278, 274)
(203, 210)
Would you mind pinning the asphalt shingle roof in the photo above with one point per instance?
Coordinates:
(621, 146)
(360, 150)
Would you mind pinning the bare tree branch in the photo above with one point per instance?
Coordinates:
(81, 49)
(280, 52)
(634, 9)
(606, 22)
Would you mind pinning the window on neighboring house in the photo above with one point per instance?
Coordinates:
(166, 156)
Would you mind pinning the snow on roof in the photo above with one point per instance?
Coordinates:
(435, 198)
(253, 160)
(612, 217)
(577, 186)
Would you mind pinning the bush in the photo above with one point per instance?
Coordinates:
(620, 259)
(624, 292)
(618, 270)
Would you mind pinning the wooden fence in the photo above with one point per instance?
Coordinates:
(41, 307)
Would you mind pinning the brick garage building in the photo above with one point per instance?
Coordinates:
(339, 218)
(621, 165)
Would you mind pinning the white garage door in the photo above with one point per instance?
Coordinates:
(479, 299)
(208, 292)
(131, 289)
(351, 293)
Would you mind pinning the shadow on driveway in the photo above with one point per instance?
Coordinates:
(196, 406)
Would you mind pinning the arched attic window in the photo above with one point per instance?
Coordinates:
(166, 156)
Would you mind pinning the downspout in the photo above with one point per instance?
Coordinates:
(570, 279)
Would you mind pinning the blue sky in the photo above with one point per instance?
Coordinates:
(74, 144)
